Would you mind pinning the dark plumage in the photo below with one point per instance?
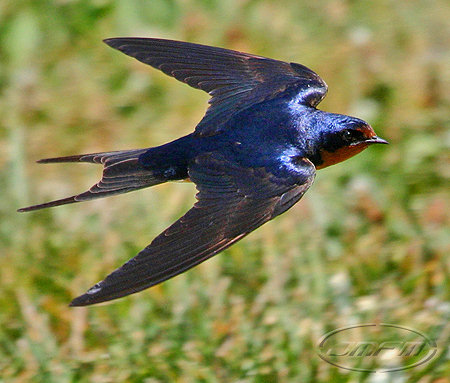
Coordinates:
(252, 156)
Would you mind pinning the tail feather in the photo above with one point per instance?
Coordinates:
(63, 201)
(94, 158)
(122, 173)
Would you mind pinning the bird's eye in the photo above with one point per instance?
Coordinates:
(347, 135)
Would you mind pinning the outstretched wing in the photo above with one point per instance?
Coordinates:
(232, 202)
(235, 80)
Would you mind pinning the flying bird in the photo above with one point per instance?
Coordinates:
(252, 156)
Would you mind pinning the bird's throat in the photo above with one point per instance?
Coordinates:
(339, 155)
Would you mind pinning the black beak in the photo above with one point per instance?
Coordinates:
(376, 140)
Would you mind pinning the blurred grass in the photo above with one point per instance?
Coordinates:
(368, 243)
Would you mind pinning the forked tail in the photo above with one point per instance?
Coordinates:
(122, 173)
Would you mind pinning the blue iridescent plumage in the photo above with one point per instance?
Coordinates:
(252, 156)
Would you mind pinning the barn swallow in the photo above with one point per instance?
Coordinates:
(252, 156)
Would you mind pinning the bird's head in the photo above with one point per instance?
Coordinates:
(343, 138)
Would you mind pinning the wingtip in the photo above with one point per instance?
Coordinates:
(79, 301)
(90, 297)
(109, 40)
(114, 42)
(82, 300)
(119, 42)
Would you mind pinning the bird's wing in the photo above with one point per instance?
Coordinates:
(235, 80)
(232, 202)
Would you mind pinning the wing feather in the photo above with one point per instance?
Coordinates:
(232, 202)
(240, 78)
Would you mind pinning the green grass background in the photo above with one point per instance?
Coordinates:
(369, 242)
